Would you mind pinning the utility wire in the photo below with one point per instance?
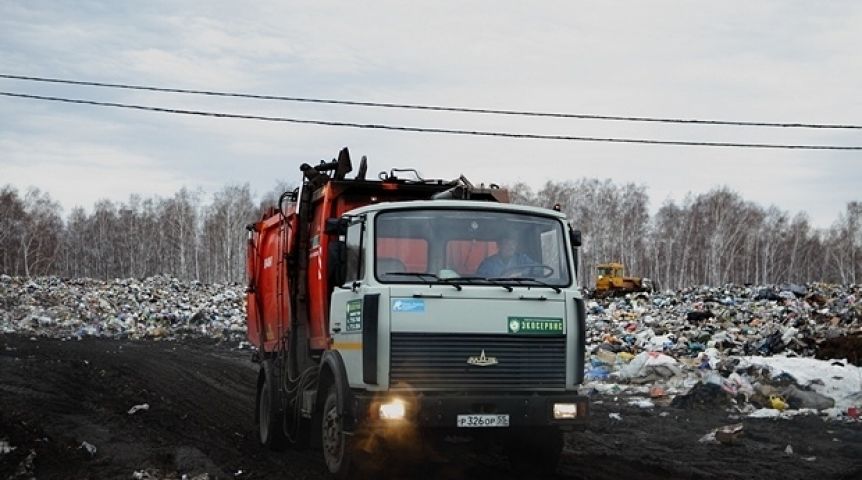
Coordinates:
(436, 107)
(481, 133)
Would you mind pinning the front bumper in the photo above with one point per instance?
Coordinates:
(442, 409)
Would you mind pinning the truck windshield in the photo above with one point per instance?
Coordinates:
(470, 247)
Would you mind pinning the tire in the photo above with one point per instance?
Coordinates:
(535, 451)
(337, 446)
(268, 413)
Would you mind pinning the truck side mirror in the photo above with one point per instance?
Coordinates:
(575, 237)
(336, 226)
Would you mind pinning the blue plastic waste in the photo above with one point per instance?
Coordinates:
(597, 373)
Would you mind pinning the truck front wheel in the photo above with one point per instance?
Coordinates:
(337, 447)
(535, 451)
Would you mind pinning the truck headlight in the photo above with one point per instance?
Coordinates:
(564, 411)
(393, 410)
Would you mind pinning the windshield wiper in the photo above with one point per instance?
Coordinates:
(489, 280)
(526, 279)
(424, 276)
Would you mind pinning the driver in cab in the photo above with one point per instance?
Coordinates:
(507, 261)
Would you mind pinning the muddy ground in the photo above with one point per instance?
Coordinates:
(55, 395)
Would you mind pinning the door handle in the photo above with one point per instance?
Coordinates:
(427, 295)
(541, 298)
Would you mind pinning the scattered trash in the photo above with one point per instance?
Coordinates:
(657, 391)
(733, 347)
(703, 396)
(777, 403)
(736, 384)
(726, 435)
(788, 450)
(648, 367)
(159, 307)
(615, 416)
(89, 447)
(813, 383)
(765, 413)
(597, 373)
(798, 398)
(5, 447)
(642, 402)
(737, 320)
(696, 316)
(729, 434)
(155, 474)
(739, 347)
(709, 438)
(138, 408)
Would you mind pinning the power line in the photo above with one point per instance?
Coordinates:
(437, 107)
(481, 133)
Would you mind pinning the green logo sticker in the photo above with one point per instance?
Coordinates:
(354, 315)
(536, 325)
(514, 326)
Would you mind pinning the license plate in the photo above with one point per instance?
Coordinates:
(482, 420)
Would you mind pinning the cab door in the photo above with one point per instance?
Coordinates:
(355, 312)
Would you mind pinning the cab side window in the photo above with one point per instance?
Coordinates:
(355, 249)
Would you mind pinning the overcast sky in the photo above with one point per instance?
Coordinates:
(772, 61)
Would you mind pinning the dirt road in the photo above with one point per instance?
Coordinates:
(56, 395)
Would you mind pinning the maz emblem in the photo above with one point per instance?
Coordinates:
(482, 360)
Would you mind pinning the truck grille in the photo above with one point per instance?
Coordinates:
(426, 361)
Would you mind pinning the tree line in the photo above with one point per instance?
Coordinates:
(707, 239)
(180, 235)
(711, 238)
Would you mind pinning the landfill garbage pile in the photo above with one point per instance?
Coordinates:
(772, 351)
(159, 307)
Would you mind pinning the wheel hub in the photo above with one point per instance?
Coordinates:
(332, 438)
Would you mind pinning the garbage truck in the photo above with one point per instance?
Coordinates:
(402, 307)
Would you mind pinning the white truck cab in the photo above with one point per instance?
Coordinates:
(462, 316)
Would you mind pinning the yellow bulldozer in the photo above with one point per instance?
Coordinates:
(611, 281)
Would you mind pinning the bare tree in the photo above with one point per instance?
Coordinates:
(270, 198)
(179, 221)
(40, 233)
(224, 232)
(12, 217)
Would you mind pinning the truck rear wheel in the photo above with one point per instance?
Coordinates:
(338, 451)
(535, 451)
(269, 414)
